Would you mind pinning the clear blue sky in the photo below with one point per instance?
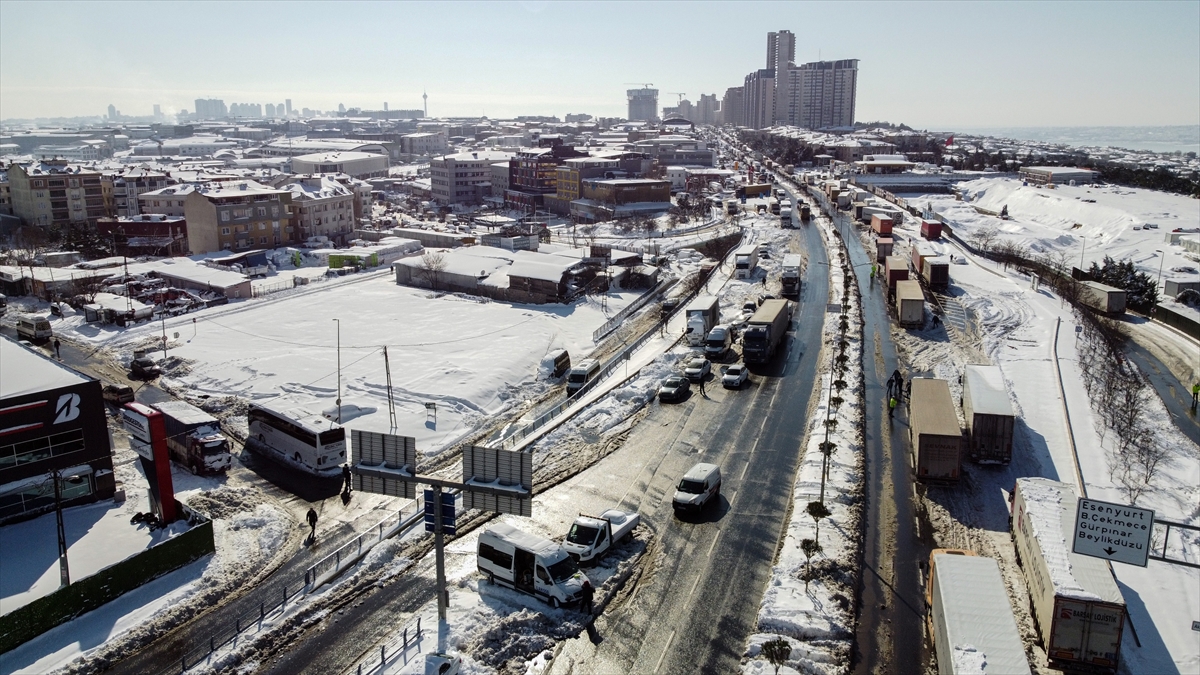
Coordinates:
(930, 65)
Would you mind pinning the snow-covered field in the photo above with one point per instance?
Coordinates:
(1018, 329)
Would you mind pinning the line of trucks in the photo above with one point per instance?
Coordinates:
(1077, 608)
(547, 569)
(938, 443)
(764, 331)
(194, 438)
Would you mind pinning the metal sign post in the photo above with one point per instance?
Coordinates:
(1113, 532)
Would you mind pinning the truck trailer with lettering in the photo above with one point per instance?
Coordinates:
(1077, 607)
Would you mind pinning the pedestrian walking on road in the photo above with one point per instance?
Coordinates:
(702, 392)
(585, 601)
(312, 523)
(58, 349)
(891, 406)
(1195, 394)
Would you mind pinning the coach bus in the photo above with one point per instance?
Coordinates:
(297, 438)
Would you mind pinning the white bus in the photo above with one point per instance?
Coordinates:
(298, 438)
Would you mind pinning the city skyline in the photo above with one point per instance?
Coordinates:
(919, 76)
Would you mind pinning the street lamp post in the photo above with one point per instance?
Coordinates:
(64, 571)
(1081, 252)
(339, 370)
(1162, 258)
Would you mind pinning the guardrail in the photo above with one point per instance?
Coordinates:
(634, 306)
(394, 649)
(314, 576)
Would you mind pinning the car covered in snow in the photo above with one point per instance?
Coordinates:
(674, 388)
(735, 376)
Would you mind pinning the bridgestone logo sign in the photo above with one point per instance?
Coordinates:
(1113, 531)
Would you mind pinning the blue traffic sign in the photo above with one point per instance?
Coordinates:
(448, 524)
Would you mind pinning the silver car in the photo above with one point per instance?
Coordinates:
(735, 376)
(697, 369)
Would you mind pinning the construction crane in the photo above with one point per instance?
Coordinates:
(644, 84)
(680, 94)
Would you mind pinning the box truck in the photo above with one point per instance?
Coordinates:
(883, 248)
(910, 303)
(936, 272)
(933, 431)
(790, 276)
(895, 268)
(765, 331)
(1077, 607)
(1102, 298)
(745, 260)
(194, 438)
(989, 414)
(700, 316)
(969, 617)
(931, 229)
(881, 224)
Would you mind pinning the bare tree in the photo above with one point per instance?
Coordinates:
(432, 266)
(984, 237)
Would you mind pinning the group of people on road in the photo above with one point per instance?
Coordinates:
(897, 389)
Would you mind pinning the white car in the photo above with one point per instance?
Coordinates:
(735, 376)
(697, 369)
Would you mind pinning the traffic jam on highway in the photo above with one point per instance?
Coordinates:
(546, 554)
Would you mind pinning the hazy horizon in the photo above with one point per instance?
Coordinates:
(981, 65)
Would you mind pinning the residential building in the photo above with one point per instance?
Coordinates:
(825, 93)
(425, 143)
(356, 164)
(210, 108)
(147, 234)
(781, 52)
(238, 216)
(168, 201)
(5, 195)
(321, 207)
(569, 176)
(56, 192)
(362, 195)
(758, 109)
(82, 152)
(643, 104)
(458, 178)
(532, 174)
(129, 184)
(732, 106)
(708, 111)
(676, 149)
(608, 199)
(500, 179)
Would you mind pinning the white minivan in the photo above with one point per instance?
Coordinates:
(530, 564)
(36, 328)
(580, 375)
(699, 486)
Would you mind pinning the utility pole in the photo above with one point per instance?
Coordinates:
(339, 370)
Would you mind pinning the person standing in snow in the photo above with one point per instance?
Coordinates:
(891, 406)
(58, 349)
(312, 523)
(585, 601)
(346, 477)
(1195, 394)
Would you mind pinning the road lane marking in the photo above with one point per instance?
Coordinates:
(694, 585)
(664, 652)
(712, 546)
(745, 469)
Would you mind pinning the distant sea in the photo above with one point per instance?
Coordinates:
(1153, 139)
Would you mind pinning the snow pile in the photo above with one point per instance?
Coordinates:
(817, 618)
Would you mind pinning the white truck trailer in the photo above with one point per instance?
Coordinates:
(970, 619)
(701, 315)
(790, 275)
(745, 261)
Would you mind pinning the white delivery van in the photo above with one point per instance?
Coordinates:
(699, 486)
(36, 328)
(530, 564)
(580, 375)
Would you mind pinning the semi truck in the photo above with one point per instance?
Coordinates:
(969, 618)
(805, 212)
(194, 438)
(745, 260)
(1102, 298)
(933, 430)
(765, 330)
(790, 276)
(1078, 609)
(701, 315)
(910, 303)
(590, 537)
(989, 414)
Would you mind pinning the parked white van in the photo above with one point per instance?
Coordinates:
(699, 486)
(35, 328)
(580, 375)
(530, 564)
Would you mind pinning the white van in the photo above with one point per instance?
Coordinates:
(580, 375)
(699, 486)
(530, 564)
(718, 343)
(34, 329)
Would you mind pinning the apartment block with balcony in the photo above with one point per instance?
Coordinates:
(131, 183)
(170, 201)
(321, 207)
(533, 174)
(457, 179)
(57, 192)
(239, 216)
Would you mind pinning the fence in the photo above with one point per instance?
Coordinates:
(325, 569)
(634, 306)
(267, 289)
(395, 648)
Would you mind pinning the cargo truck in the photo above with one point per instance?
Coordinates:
(591, 537)
(194, 438)
(989, 414)
(745, 261)
(701, 315)
(936, 272)
(910, 303)
(765, 331)
(883, 248)
(969, 617)
(1078, 609)
(895, 268)
(785, 218)
(805, 212)
(881, 225)
(1102, 298)
(790, 275)
(933, 431)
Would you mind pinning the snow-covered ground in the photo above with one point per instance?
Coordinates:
(1018, 328)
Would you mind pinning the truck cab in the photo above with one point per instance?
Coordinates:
(590, 537)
